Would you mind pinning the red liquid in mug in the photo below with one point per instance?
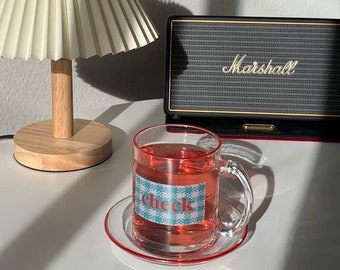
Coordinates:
(189, 165)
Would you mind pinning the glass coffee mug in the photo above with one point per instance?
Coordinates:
(176, 174)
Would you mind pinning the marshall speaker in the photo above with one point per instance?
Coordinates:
(254, 77)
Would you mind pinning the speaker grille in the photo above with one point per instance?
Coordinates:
(214, 67)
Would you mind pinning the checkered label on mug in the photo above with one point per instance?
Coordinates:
(171, 205)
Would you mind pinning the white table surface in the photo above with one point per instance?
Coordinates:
(55, 221)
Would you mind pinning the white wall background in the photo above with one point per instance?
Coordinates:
(99, 82)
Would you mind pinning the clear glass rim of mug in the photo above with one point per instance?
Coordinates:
(186, 126)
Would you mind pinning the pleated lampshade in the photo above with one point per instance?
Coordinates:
(62, 30)
(55, 29)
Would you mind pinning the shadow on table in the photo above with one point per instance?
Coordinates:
(261, 178)
(37, 245)
(315, 243)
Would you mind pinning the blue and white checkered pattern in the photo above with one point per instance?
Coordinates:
(184, 205)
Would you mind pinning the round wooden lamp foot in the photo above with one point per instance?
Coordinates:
(36, 147)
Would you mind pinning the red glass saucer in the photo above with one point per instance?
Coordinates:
(118, 227)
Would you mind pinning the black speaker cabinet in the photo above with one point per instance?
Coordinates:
(254, 77)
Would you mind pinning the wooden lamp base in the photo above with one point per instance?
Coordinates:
(36, 147)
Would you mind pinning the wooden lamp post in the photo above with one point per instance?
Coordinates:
(63, 143)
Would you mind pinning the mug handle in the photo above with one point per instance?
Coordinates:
(231, 167)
